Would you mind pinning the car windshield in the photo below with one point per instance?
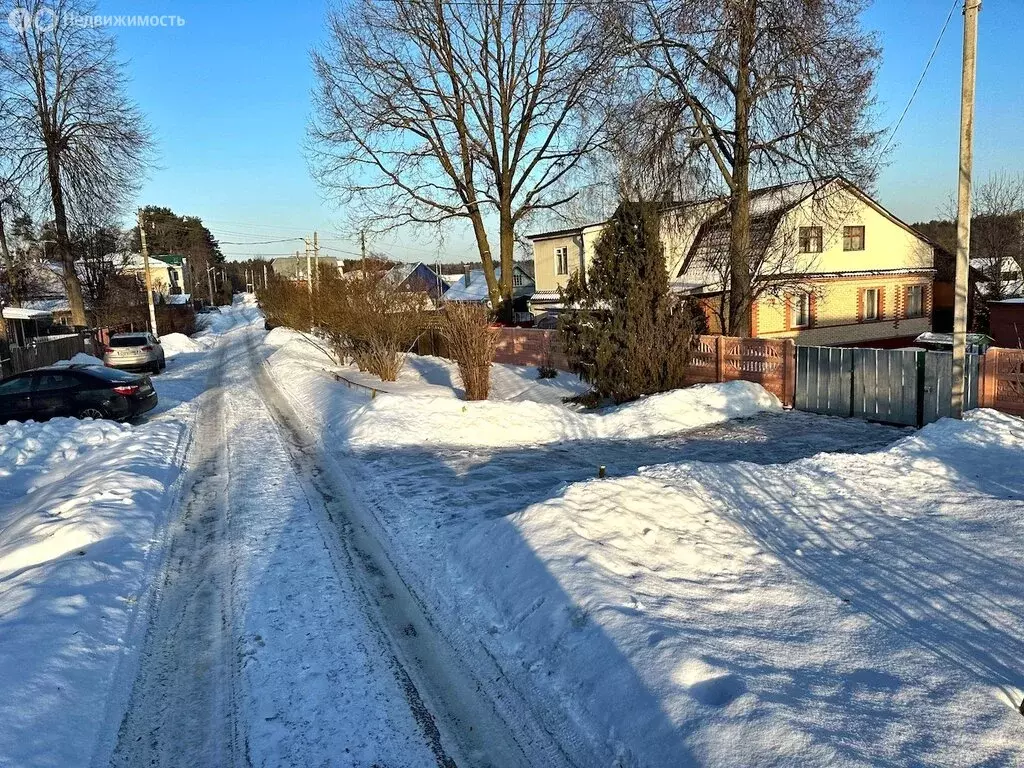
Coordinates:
(128, 341)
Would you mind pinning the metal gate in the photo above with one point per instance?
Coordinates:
(895, 386)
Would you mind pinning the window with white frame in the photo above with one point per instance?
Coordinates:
(517, 279)
(801, 307)
(562, 260)
(915, 301)
(870, 304)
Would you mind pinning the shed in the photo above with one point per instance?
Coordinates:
(1006, 322)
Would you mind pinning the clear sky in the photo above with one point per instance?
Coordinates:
(228, 95)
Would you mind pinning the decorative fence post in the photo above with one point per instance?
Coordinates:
(789, 372)
(719, 360)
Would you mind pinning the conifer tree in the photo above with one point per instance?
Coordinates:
(622, 329)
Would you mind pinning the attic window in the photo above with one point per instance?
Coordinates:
(517, 279)
(810, 239)
(853, 238)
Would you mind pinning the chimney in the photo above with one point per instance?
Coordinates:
(469, 274)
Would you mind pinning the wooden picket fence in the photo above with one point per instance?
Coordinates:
(1001, 381)
(46, 351)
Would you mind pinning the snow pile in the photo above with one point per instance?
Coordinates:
(179, 343)
(423, 408)
(29, 451)
(79, 358)
(396, 420)
(741, 614)
(83, 505)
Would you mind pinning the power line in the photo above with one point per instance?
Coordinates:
(261, 242)
(920, 80)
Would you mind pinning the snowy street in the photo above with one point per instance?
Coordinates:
(287, 572)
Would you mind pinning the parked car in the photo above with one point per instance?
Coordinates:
(85, 391)
(135, 351)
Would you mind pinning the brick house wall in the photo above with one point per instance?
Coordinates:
(838, 313)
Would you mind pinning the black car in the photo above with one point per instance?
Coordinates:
(85, 391)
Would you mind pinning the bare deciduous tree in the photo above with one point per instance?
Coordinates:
(431, 112)
(997, 230)
(756, 90)
(73, 131)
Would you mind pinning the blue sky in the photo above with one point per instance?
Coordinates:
(228, 95)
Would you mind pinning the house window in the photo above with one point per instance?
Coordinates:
(871, 304)
(562, 261)
(853, 238)
(517, 279)
(915, 301)
(810, 239)
(801, 306)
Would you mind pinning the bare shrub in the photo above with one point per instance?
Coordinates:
(286, 303)
(472, 343)
(369, 320)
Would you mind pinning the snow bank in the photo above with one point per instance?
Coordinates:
(83, 506)
(179, 343)
(396, 420)
(28, 451)
(79, 358)
(423, 408)
(741, 614)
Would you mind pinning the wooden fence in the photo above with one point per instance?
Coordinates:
(1001, 383)
(531, 346)
(46, 351)
(772, 363)
(768, 362)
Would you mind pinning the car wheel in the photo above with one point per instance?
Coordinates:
(154, 368)
(92, 413)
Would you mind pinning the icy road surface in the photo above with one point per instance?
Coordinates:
(269, 644)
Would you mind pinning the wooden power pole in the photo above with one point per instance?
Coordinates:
(316, 257)
(309, 267)
(963, 208)
(149, 278)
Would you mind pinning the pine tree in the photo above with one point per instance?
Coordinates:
(622, 329)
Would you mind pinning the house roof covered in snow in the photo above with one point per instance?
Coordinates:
(472, 288)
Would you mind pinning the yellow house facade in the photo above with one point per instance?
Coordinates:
(832, 266)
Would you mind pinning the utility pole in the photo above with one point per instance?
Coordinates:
(316, 257)
(963, 208)
(264, 276)
(362, 248)
(309, 267)
(209, 284)
(149, 278)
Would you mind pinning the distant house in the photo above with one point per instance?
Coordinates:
(168, 272)
(471, 287)
(297, 267)
(417, 277)
(832, 266)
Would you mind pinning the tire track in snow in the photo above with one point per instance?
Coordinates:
(453, 704)
(183, 708)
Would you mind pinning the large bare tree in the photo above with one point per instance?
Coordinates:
(759, 91)
(432, 112)
(74, 132)
(997, 230)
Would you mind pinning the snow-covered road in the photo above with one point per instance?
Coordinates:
(281, 635)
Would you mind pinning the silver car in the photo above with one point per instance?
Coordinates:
(135, 351)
